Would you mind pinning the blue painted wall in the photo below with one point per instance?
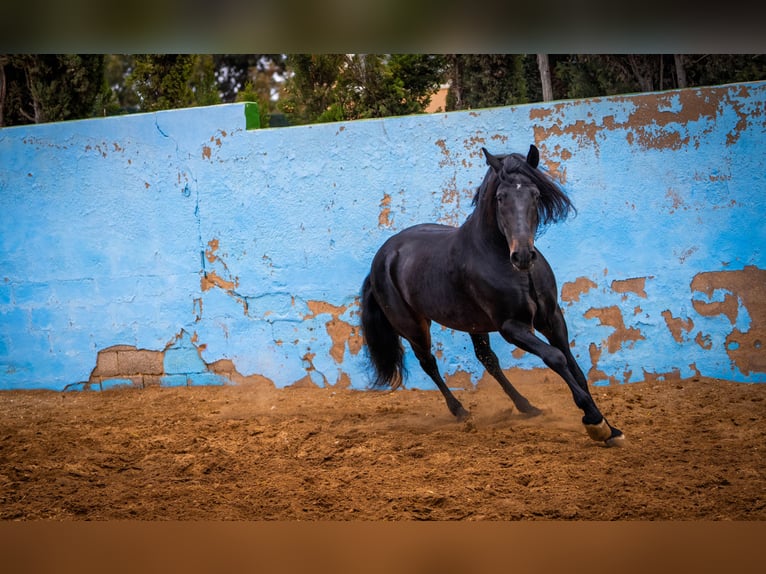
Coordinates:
(232, 253)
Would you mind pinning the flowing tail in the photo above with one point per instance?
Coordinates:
(384, 347)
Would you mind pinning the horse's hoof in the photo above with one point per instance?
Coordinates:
(462, 415)
(468, 425)
(617, 439)
(599, 432)
(531, 411)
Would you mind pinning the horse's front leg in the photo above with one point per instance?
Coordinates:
(597, 426)
(488, 358)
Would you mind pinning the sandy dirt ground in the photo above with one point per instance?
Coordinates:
(694, 451)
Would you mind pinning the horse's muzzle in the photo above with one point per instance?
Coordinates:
(523, 259)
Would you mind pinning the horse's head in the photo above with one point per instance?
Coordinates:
(517, 208)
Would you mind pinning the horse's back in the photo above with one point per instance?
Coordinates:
(416, 244)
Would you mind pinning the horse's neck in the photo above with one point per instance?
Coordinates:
(480, 230)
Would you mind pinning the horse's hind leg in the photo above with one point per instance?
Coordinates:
(419, 336)
(417, 330)
(488, 358)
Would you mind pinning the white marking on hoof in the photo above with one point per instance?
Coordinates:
(616, 441)
(599, 432)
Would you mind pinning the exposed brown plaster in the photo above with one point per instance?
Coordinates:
(651, 113)
(384, 217)
(210, 252)
(612, 317)
(473, 143)
(344, 381)
(304, 383)
(649, 140)
(206, 152)
(594, 373)
(320, 307)
(635, 285)
(447, 158)
(459, 380)
(226, 368)
(677, 325)
(727, 307)
(704, 341)
(541, 113)
(572, 290)
(306, 380)
(676, 201)
(745, 117)
(553, 167)
(212, 279)
(142, 367)
(145, 367)
(341, 332)
(748, 286)
(651, 125)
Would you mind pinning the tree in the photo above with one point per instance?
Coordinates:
(36, 88)
(235, 71)
(334, 87)
(261, 82)
(712, 69)
(203, 81)
(545, 76)
(485, 80)
(309, 92)
(582, 76)
(678, 60)
(162, 81)
(124, 99)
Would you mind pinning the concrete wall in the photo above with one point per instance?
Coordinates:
(181, 248)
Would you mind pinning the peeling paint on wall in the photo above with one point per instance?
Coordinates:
(573, 290)
(180, 248)
(744, 294)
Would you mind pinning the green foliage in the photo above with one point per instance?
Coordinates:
(203, 81)
(117, 69)
(486, 80)
(170, 81)
(710, 69)
(235, 71)
(309, 91)
(335, 87)
(48, 88)
(259, 82)
(162, 82)
(582, 76)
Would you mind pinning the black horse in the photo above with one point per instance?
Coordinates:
(481, 277)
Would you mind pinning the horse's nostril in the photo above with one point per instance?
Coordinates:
(533, 255)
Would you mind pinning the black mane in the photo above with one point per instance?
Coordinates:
(553, 205)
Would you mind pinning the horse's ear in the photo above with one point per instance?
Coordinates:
(533, 157)
(492, 161)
